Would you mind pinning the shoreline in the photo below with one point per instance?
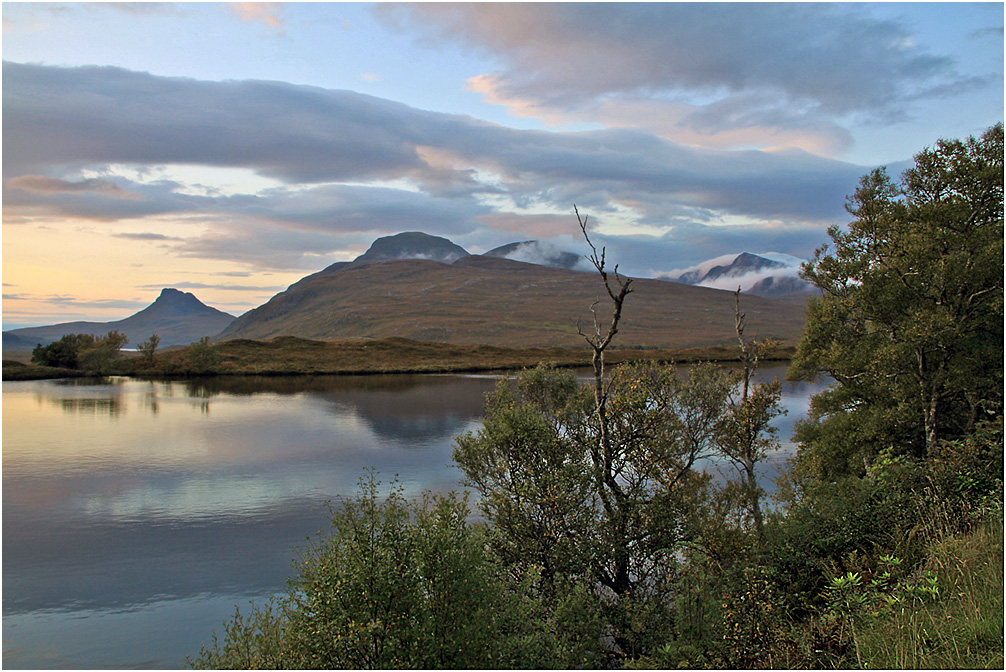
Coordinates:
(291, 356)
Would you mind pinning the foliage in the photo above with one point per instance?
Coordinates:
(965, 479)
(949, 614)
(148, 349)
(745, 435)
(545, 485)
(540, 477)
(394, 585)
(81, 351)
(910, 321)
(606, 546)
(201, 357)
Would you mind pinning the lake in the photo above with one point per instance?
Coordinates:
(137, 514)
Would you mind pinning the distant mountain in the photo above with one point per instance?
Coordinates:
(412, 245)
(488, 300)
(535, 252)
(753, 273)
(178, 318)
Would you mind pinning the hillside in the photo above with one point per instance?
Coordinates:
(493, 301)
(178, 318)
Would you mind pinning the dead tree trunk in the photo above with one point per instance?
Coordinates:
(613, 499)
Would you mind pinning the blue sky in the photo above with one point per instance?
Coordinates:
(230, 149)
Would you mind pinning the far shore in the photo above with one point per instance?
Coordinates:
(287, 355)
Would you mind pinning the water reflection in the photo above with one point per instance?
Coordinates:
(129, 502)
(210, 487)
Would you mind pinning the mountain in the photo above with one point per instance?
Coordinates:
(742, 264)
(480, 299)
(178, 318)
(536, 252)
(412, 245)
(753, 273)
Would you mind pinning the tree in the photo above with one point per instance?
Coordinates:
(82, 351)
(62, 353)
(910, 320)
(102, 352)
(745, 435)
(596, 484)
(149, 348)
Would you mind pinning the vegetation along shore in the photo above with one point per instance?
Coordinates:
(289, 355)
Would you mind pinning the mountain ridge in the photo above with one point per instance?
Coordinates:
(496, 301)
(178, 318)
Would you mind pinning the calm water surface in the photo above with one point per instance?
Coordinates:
(137, 514)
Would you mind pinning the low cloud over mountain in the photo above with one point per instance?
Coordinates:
(543, 253)
(766, 274)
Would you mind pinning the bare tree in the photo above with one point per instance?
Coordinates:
(617, 287)
(746, 435)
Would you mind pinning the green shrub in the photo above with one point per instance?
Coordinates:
(398, 585)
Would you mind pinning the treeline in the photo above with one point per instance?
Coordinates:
(603, 545)
(102, 355)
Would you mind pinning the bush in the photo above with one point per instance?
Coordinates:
(965, 480)
(201, 358)
(393, 585)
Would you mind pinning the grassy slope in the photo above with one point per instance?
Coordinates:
(481, 300)
(964, 627)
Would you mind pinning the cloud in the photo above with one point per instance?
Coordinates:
(265, 12)
(555, 252)
(65, 301)
(202, 285)
(689, 244)
(542, 226)
(145, 236)
(790, 269)
(140, 8)
(65, 119)
(49, 185)
(350, 164)
(790, 72)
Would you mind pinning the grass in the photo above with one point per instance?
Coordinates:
(963, 628)
(288, 355)
(16, 370)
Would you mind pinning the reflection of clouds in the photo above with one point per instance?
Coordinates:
(254, 449)
(110, 511)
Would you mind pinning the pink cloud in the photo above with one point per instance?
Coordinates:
(40, 184)
(537, 226)
(266, 12)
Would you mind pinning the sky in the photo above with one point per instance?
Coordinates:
(229, 149)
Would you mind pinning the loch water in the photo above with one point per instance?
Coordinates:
(138, 514)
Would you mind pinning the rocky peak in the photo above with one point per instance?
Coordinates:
(412, 245)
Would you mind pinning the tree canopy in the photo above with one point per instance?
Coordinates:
(910, 319)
